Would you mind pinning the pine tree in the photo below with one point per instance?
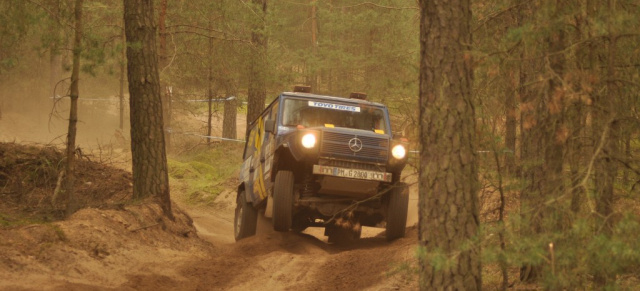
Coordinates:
(448, 223)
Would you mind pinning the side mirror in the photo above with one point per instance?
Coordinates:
(270, 125)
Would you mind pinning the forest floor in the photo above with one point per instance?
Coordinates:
(114, 244)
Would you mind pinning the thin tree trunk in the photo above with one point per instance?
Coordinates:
(606, 166)
(210, 85)
(448, 200)
(530, 149)
(510, 132)
(163, 59)
(578, 114)
(557, 134)
(73, 111)
(150, 175)
(230, 115)
(314, 45)
(229, 122)
(55, 58)
(257, 93)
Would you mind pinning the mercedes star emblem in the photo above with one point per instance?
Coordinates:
(355, 144)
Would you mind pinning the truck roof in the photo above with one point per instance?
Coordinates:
(325, 97)
(334, 98)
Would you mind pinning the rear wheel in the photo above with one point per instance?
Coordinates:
(397, 211)
(283, 201)
(245, 219)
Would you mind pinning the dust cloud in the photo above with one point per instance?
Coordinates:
(31, 114)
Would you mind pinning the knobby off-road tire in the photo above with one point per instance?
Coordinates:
(283, 201)
(397, 211)
(245, 219)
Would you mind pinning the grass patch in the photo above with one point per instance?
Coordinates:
(206, 172)
(8, 220)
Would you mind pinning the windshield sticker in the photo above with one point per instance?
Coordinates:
(334, 106)
(329, 125)
(379, 131)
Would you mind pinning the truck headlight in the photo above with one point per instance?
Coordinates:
(309, 140)
(399, 152)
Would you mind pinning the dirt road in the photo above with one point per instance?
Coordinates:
(290, 261)
(130, 249)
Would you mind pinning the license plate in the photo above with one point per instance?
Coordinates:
(352, 173)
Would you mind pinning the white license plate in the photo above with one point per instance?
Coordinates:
(352, 173)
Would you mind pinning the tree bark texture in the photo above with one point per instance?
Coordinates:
(123, 71)
(257, 92)
(150, 176)
(448, 201)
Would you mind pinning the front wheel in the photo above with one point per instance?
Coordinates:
(283, 201)
(397, 211)
(245, 219)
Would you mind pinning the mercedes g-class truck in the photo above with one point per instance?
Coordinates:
(322, 161)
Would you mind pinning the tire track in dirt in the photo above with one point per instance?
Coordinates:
(298, 261)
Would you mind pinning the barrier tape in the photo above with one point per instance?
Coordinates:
(117, 98)
(206, 136)
(88, 99)
(478, 152)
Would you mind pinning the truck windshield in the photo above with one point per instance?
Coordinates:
(328, 113)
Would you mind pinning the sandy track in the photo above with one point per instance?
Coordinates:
(304, 261)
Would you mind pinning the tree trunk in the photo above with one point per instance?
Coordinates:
(448, 174)
(230, 115)
(530, 149)
(163, 62)
(257, 73)
(210, 87)
(510, 133)
(123, 71)
(55, 58)
(73, 112)
(577, 117)
(606, 150)
(150, 176)
(314, 46)
(557, 134)
(229, 126)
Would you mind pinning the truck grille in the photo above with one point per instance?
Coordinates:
(336, 145)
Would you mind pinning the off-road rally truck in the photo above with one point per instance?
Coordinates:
(322, 161)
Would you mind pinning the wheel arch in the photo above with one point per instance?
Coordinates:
(284, 160)
(241, 189)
